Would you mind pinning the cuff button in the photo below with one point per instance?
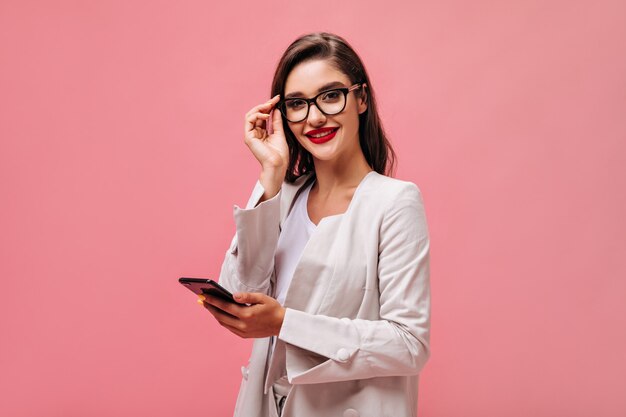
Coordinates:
(343, 355)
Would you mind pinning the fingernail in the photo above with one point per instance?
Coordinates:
(200, 301)
(202, 297)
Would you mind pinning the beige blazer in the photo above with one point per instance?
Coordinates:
(356, 329)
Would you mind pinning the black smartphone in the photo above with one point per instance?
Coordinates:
(202, 286)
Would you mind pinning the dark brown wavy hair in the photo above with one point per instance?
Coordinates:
(336, 50)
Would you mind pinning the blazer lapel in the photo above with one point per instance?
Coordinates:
(314, 273)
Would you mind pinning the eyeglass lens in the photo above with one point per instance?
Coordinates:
(331, 102)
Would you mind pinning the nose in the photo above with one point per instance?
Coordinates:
(316, 117)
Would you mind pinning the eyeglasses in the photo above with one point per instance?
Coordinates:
(329, 102)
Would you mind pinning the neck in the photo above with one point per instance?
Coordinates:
(345, 173)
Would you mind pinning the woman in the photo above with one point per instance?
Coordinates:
(331, 254)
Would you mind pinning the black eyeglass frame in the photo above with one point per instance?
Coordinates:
(345, 90)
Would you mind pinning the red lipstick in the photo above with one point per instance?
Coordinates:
(329, 131)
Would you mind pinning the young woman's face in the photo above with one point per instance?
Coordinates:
(308, 79)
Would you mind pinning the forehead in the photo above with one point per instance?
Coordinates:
(308, 76)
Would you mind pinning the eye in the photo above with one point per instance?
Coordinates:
(331, 96)
(295, 104)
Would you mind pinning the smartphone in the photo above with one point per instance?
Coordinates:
(202, 286)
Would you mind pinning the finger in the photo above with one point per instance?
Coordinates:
(230, 308)
(261, 123)
(252, 119)
(260, 107)
(255, 116)
(222, 317)
(250, 297)
(265, 106)
(277, 121)
(235, 331)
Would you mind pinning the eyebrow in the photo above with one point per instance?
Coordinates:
(319, 90)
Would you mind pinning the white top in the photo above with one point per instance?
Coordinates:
(295, 234)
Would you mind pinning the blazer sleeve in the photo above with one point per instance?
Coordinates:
(249, 261)
(396, 344)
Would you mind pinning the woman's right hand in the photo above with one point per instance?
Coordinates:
(270, 150)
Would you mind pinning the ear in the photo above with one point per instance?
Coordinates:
(363, 99)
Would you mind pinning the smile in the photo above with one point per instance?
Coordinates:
(321, 138)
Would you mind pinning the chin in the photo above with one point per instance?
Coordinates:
(324, 152)
(324, 157)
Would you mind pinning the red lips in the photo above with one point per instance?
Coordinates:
(318, 131)
(330, 131)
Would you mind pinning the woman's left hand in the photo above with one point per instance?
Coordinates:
(263, 318)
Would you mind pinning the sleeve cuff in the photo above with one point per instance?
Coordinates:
(296, 331)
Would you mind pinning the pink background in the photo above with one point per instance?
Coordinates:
(121, 156)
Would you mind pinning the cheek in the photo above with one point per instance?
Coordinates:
(356, 121)
(302, 141)
(296, 129)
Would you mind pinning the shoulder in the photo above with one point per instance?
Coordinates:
(399, 205)
(390, 190)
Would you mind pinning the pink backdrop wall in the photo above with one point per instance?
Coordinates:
(122, 153)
